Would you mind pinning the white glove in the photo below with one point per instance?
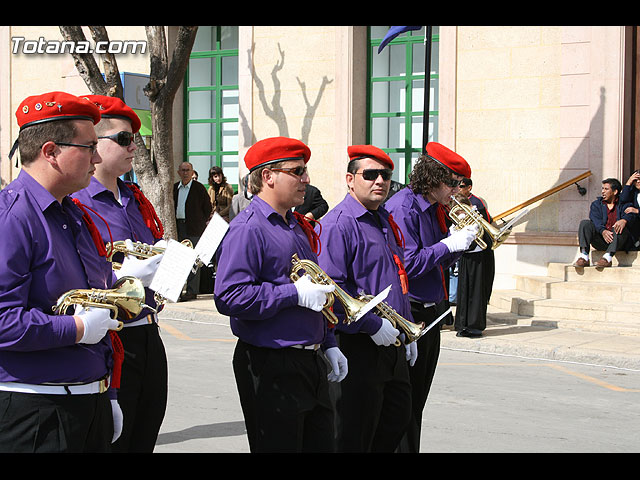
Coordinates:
(386, 335)
(162, 243)
(338, 362)
(142, 269)
(97, 322)
(311, 295)
(117, 420)
(412, 353)
(460, 240)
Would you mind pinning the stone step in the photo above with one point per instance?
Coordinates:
(558, 313)
(614, 274)
(551, 287)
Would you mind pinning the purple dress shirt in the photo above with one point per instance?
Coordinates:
(253, 285)
(125, 222)
(357, 253)
(46, 250)
(425, 255)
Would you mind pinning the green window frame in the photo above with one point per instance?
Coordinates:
(211, 80)
(395, 96)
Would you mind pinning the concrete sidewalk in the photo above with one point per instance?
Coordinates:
(520, 339)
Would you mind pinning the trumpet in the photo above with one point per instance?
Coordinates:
(351, 305)
(140, 250)
(412, 331)
(125, 299)
(464, 215)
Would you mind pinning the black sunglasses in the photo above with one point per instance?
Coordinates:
(121, 138)
(453, 183)
(371, 174)
(297, 171)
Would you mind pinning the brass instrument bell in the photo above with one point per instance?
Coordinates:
(351, 305)
(125, 299)
(464, 215)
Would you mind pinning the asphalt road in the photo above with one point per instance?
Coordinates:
(478, 402)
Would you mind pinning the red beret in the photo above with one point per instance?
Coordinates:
(449, 159)
(357, 152)
(55, 106)
(275, 149)
(111, 107)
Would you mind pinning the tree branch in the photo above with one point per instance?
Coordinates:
(85, 62)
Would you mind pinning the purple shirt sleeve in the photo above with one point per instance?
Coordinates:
(357, 253)
(425, 255)
(253, 285)
(123, 221)
(46, 250)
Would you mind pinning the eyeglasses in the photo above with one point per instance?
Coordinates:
(123, 139)
(452, 182)
(93, 148)
(371, 174)
(297, 171)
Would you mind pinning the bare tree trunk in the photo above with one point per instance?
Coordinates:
(154, 169)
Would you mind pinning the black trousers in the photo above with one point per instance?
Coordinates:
(476, 273)
(143, 388)
(193, 280)
(588, 236)
(421, 375)
(373, 402)
(284, 395)
(34, 423)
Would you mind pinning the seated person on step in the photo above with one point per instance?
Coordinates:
(630, 196)
(606, 227)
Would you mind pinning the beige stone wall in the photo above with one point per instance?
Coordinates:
(537, 106)
(300, 82)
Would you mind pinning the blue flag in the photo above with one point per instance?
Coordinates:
(393, 33)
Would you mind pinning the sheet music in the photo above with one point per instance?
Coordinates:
(173, 271)
(211, 238)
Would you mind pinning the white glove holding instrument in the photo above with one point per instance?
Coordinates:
(412, 353)
(142, 269)
(386, 335)
(117, 420)
(460, 240)
(338, 363)
(312, 295)
(97, 322)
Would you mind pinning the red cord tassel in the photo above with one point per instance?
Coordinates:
(312, 235)
(118, 358)
(148, 212)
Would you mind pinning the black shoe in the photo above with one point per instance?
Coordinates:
(187, 296)
(467, 333)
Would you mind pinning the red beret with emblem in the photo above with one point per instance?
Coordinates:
(275, 149)
(356, 152)
(55, 106)
(449, 159)
(114, 107)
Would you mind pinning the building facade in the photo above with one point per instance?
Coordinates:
(530, 107)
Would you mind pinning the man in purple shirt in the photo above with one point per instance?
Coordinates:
(54, 369)
(362, 252)
(283, 338)
(142, 395)
(419, 210)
